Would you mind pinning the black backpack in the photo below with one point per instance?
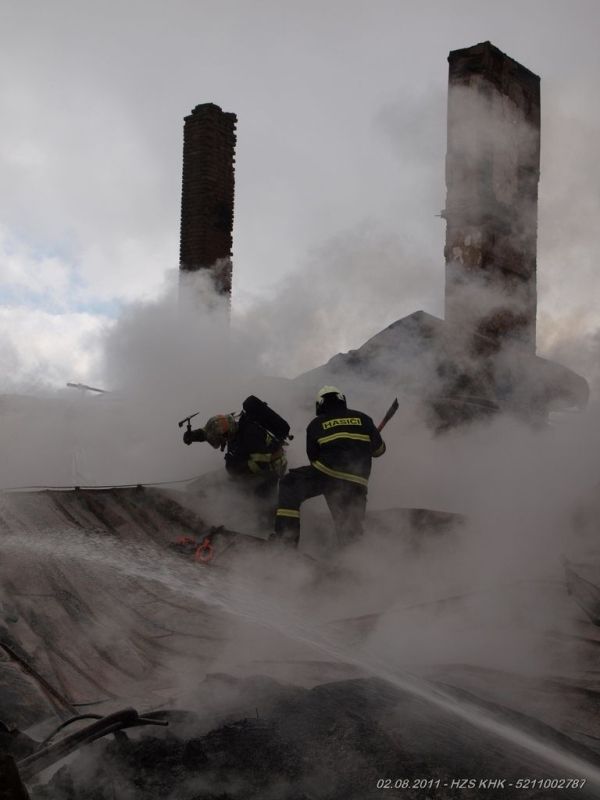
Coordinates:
(258, 411)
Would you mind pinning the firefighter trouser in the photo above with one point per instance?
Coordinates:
(262, 489)
(347, 503)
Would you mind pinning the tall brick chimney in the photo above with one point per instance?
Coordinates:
(209, 140)
(492, 173)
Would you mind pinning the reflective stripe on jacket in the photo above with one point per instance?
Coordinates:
(342, 444)
(253, 451)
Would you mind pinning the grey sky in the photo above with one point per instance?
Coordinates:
(341, 109)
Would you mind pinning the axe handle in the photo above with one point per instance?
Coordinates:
(388, 415)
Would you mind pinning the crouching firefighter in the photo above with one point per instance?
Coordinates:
(340, 443)
(253, 440)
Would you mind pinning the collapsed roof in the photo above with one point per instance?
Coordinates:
(425, 358)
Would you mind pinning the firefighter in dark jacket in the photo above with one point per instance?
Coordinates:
(340, 443)
(253, 455)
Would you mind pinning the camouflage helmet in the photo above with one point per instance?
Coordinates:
(220, 429)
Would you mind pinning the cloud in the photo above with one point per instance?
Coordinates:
(39, 350)
(26, 275)
(88, 184)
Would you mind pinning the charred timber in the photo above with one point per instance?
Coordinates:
(11, 786)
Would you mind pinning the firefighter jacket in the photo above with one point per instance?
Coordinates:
(341, 444)
(254, 451)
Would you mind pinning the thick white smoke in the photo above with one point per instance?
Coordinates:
(515, 488)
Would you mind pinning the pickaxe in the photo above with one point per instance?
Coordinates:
(187, 419)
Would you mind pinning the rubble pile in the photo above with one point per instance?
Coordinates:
(337, 740)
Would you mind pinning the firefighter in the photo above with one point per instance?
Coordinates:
(340, 443)
(254, 456)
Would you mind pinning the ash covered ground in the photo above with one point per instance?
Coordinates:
(282, 675)
(336, 740)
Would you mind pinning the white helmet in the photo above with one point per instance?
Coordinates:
(329, 391)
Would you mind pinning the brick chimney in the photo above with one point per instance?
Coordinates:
(209, 140)
(492, 173)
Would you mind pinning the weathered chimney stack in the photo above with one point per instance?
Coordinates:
(492, 173)
(209, 140)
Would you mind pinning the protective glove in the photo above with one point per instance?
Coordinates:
(187, 437)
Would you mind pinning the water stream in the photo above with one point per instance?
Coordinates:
(247, 599)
